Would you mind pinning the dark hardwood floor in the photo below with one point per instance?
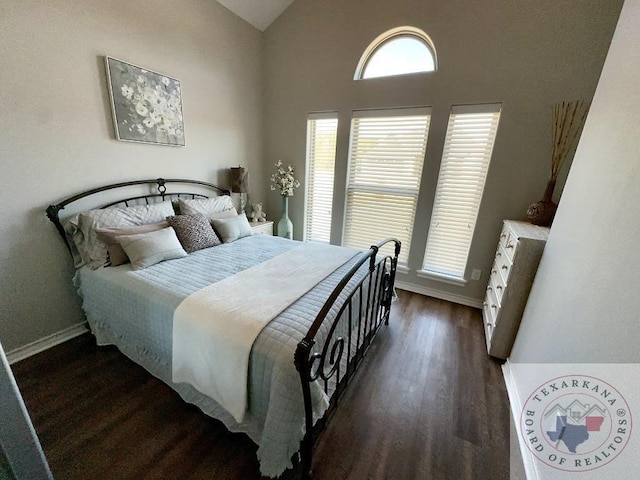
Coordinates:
(428, 403)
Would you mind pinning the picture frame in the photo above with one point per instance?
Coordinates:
(146, 105)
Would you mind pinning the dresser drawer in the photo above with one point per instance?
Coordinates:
(511, 244)
(502, 265)
(488, 333)
(497, 284)
(504, 236)
(265, 228)
(491, 305)
(488, 317)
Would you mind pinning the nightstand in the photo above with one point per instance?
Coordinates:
(265, 228)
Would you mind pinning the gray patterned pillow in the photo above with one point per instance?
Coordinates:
(194, 232)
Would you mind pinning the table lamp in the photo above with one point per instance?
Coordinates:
(240, 184)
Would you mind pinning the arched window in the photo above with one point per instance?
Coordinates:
(397, 51)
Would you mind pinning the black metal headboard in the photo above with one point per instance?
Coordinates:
(53, 211)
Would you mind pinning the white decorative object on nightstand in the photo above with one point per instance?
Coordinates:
(514, 268)
(265, 228)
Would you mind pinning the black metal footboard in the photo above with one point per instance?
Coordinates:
(333, 348)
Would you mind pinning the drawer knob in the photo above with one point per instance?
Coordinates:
(494, 306)
(510, 245)
(505, 267)
(489, 289)
(499, 254)
(503, 235)
(499, 287)
(494, 271)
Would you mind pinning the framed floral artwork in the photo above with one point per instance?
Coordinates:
(146, 106)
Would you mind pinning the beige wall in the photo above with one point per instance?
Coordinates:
(524, 54)
(57, 133)
(584, 303)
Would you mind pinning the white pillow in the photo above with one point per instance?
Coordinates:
(232, 212)
(93, 250)
(205, 206)
(146, 249)
(232, 228)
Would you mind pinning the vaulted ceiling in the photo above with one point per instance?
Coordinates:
(259, 13)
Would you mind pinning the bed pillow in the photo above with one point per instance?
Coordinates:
(117, 255)
(205, 206)
(146, 249)
(94, 251)
(232, 228)
(194, 232)
(74, 236)
(232, 212)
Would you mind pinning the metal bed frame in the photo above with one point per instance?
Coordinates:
(365, 309)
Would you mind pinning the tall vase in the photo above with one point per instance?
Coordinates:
(542, 212)
(285, 227)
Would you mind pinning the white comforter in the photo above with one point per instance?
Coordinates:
(215, 327)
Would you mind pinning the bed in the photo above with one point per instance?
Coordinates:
(301, 360)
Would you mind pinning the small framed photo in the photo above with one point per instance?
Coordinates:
(146, 106)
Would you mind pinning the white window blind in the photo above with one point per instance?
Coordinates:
(385, 167)
(465, 162)
(322, 129)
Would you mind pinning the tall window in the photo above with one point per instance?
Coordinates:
(385, 167)
(397, 51)
(465, 162)
(321, 156)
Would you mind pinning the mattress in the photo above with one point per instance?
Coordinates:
(134, 311)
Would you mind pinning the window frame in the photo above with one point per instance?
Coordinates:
(313, 116)
(405, 31)
(475, 109)
(380, 113)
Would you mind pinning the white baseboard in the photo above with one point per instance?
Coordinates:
(432, 292)
(516, 408)
(49, 341)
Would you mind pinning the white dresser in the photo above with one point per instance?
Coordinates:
(514, 268)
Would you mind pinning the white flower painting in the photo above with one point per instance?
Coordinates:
(147, 106)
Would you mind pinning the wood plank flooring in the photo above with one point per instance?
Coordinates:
(428, 403)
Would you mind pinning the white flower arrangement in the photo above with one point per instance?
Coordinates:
(283, 180)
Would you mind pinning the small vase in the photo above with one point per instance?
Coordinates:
(285, 227)
(542, 212)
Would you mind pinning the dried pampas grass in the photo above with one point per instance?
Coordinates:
(568, 120)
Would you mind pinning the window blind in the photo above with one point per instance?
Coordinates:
(465, 162)
(385, 168)
(321, 155)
